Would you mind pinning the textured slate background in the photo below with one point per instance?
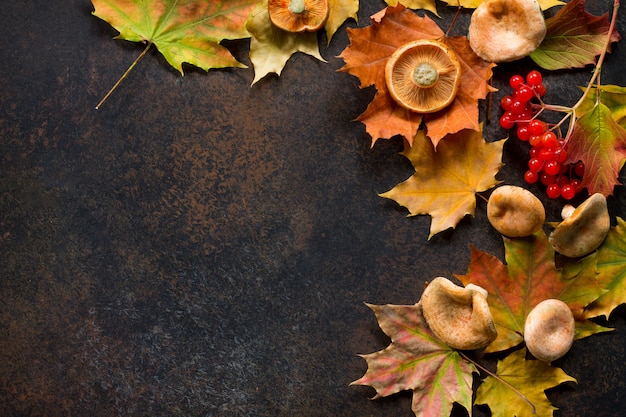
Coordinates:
(198, 247)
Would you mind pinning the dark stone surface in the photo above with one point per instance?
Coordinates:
(198, 247)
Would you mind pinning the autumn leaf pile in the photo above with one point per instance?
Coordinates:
(453, 164)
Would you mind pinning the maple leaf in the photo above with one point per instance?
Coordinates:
(573, 39)
(416, 360)
(472, 4)
(446, 181)
(611, 261)
(271, 47)
(182, 30)
(600, 142)
(367, 55)
(529, 277)
(340, 11)
(529, 377)
(415, 4)
(612, 96)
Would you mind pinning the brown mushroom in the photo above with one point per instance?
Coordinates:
(506, 30)
(298, 15)
(549, 330)
(584, 230)
(459, 316)
(423, 76)
(515, 211)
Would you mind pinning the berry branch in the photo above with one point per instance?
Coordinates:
(548, 151)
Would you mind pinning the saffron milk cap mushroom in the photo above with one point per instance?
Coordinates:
(459, 316)
(584, 230)
(549, 330)
(423, 76)
(298, 15)
(514, 211)
(506, 30)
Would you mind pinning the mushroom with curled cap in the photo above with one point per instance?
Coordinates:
(506, 30)
(459, 317)
(584, 230)
(298, 15)
(423, 76)
(515, 212)
(549, 330)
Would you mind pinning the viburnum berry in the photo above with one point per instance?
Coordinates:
(579, 169)
(534, 78)
(537, 127)
(522, 132)
(535, 164)
(552, 168)
(505, 103)
(516, 81)
(547, 179)
(568, 191)
(539, 89)
(524, 94)
(531, 177)
(549, 140)
(507, 121)
(553, 190)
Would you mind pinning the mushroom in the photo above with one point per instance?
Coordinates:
(514, 211)
(584, 230)
(459, 316)
(549, 330)
(298, 15)
(506, 30)
(423, 76)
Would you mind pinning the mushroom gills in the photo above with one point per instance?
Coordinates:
(423, 76)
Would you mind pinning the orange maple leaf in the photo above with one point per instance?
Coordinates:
(367, 55)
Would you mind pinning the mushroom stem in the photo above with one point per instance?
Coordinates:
(425, 75)
(296, 6)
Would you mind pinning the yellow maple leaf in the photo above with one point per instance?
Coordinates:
(415, 4)
(446, 180)
(530, 378)
(340, 11)
(271, 47)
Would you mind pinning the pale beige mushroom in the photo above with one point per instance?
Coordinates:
(584, 230)
(515, 211)
(459, 316)
(549, 330)
(506, 30)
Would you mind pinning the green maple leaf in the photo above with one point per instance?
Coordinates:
(529, 277)
(530, 377)
(416, 360)
(573, 39)
(612, 96)
(612, 270)
(446, 180)
(271, 47)
(182, 30)
(600, 142)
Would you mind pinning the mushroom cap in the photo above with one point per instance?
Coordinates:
(506, 30)
(514, 211)
(298, 15)
(459, 316)
(549, 330)
(423, 76)
(584, 230)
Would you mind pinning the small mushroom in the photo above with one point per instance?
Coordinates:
(549, 330)
(514, 211)
(459, 316)
(584, 230)
(423, 76)
(506, 30)
(298, 15)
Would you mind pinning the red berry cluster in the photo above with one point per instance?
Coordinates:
(548, 150)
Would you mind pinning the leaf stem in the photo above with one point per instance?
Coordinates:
(119, 81)
(522, 396)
